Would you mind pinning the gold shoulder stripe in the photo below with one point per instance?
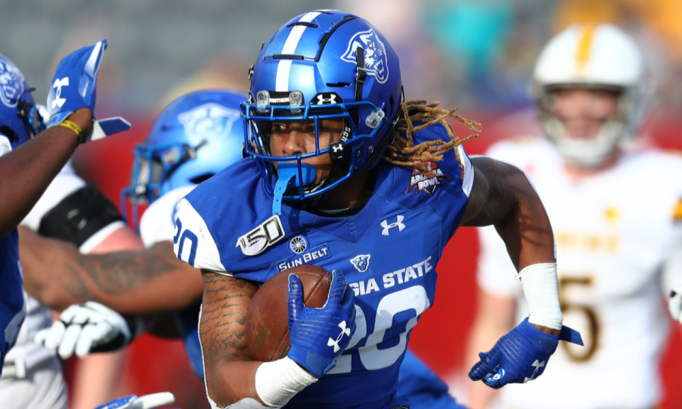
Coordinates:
(582, 55)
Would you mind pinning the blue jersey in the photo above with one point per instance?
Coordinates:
(387, 252)
(417, 382)
(12, 307)
(423, 388)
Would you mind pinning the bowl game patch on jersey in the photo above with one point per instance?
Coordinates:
(426, 183)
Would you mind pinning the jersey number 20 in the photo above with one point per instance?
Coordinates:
(372, 358)
(183, 238)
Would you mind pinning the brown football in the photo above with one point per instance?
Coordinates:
(267, 332)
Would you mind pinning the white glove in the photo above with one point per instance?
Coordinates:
(675, 303)
(154, 400)
(87, 328)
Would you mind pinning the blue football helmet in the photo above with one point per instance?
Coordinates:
(19, 116)
(193, 138)
(320, 65)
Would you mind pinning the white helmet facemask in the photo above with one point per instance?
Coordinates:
(592, 57)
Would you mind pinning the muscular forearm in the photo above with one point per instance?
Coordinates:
(503, 196)
(230, 369)
(130, 282)
(514, 208)
(28, 170)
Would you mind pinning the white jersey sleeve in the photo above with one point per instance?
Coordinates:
(65, 183)
(156, 224)
(671, 275)
(496, 273)
(671, 271)
(193, 242)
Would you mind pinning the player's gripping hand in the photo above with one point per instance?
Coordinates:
(319, 335)
(154, 400)
(520, 356)
(87, 328)
(74, 86)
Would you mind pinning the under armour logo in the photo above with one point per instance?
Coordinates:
(326, 99)
(537, 364)
(337, 148)
(58, 101)
(387, 226)
(335, 342)
(497, 376)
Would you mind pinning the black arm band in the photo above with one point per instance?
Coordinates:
(80, 215)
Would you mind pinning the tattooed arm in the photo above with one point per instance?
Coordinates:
(130, 282)
(230, 370)
(503, 196)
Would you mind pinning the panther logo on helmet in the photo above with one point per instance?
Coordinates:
(375, 54)
(11, 83)
(208, 119)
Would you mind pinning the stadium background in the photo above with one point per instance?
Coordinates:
(477, 55)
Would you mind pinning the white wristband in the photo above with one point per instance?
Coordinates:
(278, 381)
(541, 289)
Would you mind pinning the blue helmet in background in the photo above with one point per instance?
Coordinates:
(19, 117)
(193, 138)
(320, 65)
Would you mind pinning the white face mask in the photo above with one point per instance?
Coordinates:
(588, 153)
(614, 133)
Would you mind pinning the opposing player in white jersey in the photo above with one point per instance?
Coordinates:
(617, 219)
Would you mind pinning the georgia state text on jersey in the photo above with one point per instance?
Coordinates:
(417, 382)
(615, 232)
(227, 222)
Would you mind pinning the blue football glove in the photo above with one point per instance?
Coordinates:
(154, 400)
(74, 86)
(319, 335)
(520, 356)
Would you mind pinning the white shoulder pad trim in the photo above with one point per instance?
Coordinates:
(468, 181)
(198, 247)
(5, 145)
(157, 224)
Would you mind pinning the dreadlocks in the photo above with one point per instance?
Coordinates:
(403, 152)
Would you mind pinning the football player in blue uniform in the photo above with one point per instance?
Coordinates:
(71, 121)
(345, 176)
(195, 137)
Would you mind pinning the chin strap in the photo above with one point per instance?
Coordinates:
(287, 173)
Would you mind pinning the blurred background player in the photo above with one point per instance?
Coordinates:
(193, 138)
(31, 376)
(616, 216)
